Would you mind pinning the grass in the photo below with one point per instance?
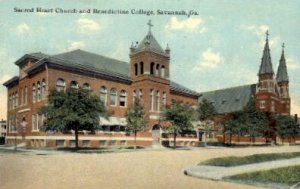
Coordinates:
(257, 158)
(287, 175)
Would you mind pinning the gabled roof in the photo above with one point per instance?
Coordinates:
(231, 99)
(14, 80)
(266, 63)
(282, 75)
(37, 56)
(98, 65)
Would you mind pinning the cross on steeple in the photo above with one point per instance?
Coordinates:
(267, 34)
(150, 25)
(282, 46)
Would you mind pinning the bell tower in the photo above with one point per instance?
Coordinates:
(283, 84)
(266, 90)
(149, 72)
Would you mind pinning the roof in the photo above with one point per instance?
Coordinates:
(92, 63)
(37, 56)
(149, 42)
(14, 80)
(231, 99)
(266, 63)
(282, 75)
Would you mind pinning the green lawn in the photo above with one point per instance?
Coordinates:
(287, 175)
(257, 158)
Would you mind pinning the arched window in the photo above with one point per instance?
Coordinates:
(60, 85)
(152, 68)
(134, 96)
(136, 69)
(157, 70)
(86, 86)
(158, 101)
(113, 97)
(140, 94)
(164, 98)
(122, 101)
(162, 71)
(142, 67)
(38, 91)
(17, 98)
(103, 95)
(74, 85)
(43, 89)
(151, 101)
(22, 97)
(26, 95)
(33, 93)
(9, 102)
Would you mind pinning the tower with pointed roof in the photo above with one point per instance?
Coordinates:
(266, 91)
(272, 93)
(149, 72)
(282, 79)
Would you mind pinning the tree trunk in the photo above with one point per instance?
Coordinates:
(174, 145)
(135, 140)
(76, 139)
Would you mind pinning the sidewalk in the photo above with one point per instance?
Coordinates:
(217, 173)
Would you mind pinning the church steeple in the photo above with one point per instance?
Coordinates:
(282, 75)
(266, 63)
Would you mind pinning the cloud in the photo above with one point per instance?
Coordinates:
(22, 28)
(73, 45)
(292, 64)
(119, 53)
(189, 24)
(85, 25)
(209, 60)
(4, 78)
(260, 31)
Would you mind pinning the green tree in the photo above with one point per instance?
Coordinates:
(73, 109)
(206, 110)
(181, 117)
(285, 127)
(135, 118)
(255, 120)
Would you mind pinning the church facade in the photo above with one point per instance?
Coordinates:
(117, 83)
(271, 92)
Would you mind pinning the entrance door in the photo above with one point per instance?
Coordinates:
(156, 135)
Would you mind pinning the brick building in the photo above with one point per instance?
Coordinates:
(271, 93)
(117, 84)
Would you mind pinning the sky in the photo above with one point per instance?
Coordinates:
(219, 46)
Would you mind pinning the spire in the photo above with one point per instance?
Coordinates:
(282, 74)
(149, 42)
(266, 63)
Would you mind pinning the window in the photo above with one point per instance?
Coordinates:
(142, 67)
(17, 98)
(22, 97)
(113, 97)
(33, 93)
(103, 95)
(157, 70)
(122, 98)
(262, 104)
(164, 98)
(86, 86)
(151, 101)
(38, 91)
(34, 122)
(272, 106)
(74, 85)
(25, 96)
(152, 68)
(158, 101)
(43, 89)
(134, 96)
(136, 69)
(60, 85)
(162, 71)
(9, 101)
(140, 94)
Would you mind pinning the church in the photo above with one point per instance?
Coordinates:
(116, 83)
(271, 92)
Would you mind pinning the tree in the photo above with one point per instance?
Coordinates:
(285, 126)
(135, 118)
(206, 110)
(255, 120)
(180, 116)
(73, 109)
